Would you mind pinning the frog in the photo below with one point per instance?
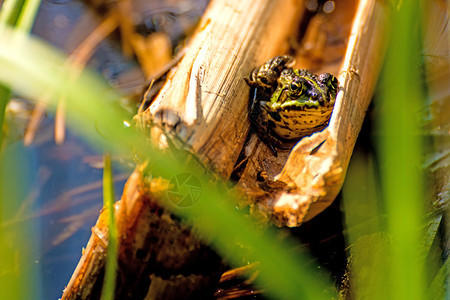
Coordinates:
(287, 104)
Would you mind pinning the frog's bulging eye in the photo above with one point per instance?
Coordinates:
(296, 86)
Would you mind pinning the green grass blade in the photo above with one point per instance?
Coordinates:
(28, 15)
(5, 94)
(363, 225)
(18, 277)
(438, 287)
(400, 152)
(10, 11)
(108, 203)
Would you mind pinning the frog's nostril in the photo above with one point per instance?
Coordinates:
(313, 95)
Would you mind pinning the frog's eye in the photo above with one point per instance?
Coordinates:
(295, 86)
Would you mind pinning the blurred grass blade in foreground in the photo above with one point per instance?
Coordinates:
(108, 203)
(18, 271)
(400, 148)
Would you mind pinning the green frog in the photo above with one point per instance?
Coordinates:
(287, 104)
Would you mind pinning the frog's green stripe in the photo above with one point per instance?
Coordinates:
(295, 103)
